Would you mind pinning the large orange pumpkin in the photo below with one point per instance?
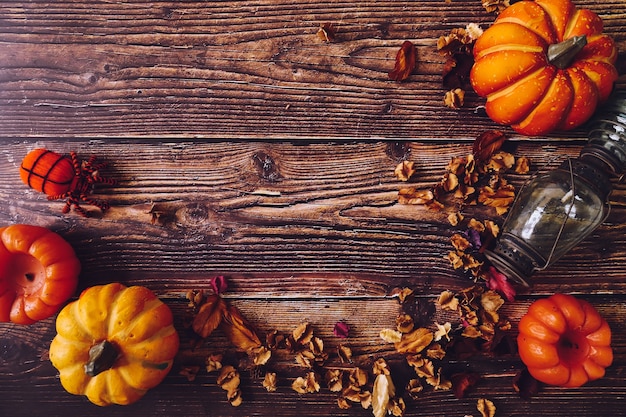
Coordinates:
(114, 343)
(544, 65)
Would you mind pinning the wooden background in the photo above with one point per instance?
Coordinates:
(270, 154)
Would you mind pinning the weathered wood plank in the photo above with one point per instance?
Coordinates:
(234, 69)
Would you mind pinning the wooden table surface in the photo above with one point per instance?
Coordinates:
(269, 156)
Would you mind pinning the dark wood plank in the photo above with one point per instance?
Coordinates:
(235, 69)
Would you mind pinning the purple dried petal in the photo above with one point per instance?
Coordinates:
(219, 284)
(474, 238)
(341, 329)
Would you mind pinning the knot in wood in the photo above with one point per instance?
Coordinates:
(266, 167)
(193, 214)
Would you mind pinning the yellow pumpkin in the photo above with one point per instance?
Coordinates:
(544, 65)
(114, 343)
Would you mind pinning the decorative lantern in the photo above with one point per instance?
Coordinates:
(557, 210)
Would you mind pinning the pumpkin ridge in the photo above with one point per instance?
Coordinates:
(509, 88)
(148, 306)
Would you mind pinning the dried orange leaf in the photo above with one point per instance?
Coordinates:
(405, 170)
(443, 330)
(406, 59)
(327, 32)
(209, 316)
(487, 144)
(239, 331)
(454, 98)
(448, 301)
(269, 382)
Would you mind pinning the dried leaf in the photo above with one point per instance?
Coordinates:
(396, 407)
(486, 407)
(260, 355)
(439, 382)
(413, 388)
(414, 196)
(404, 323)
(405, 170)
(406, 60)
(382, 393)
(229, 381)
(303, 333)
(214, 362)
(358, 377)
(522, 165)
(487, 144)
(435, 351)
(269, 382)
(209, 316)
(238, 331)
(307, 384)
(334, 380)
(380, 367)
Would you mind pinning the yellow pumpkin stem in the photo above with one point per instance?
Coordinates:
(102, 356)
(563, 53)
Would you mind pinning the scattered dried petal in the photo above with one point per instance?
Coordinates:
(435, 351)
(443, 330)
(218, 284)
(498, 282)
(260, 355)
(396, 407)
(390, 335)
(303, 333)
(486, 407)
(406, 59)
(334, 380)
(415, 342)
(495, 6)
(404, 323)
(327, 32)
(382, 393)
(269, 382)
(454, 98)
(463, 382)
(522, 165)
(214, 362)
(358, 377)
(229, 381)
(414, 196)
(405, 170)
(380, 367)
(448, 301)
(344, 353)
(341, 329)
(413, 388)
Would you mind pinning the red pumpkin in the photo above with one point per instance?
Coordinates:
(544, 65)
(38, 273)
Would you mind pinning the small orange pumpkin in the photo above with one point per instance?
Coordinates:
(544, 65)
(564, 341)
(114, 343)
(38, 273)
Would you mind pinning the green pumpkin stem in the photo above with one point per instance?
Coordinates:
(102, 356)
(563, 53)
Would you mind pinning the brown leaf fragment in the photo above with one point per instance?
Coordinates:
(406, 60)
(260, 355)
(302, 334)
(239, 331)
(380, 367)
(487, 144)
(391, 335)
(522, 165)
(486, 407)
(439, 382)
(274, 340)
(358, 377)
(343, 404)
(435, 351)
(405, 170)
(424, 368)
(454, 99)
(396, 407)
(307, 384)
(448, 301)
(305, 358)
(327, 32)
(414, 196)
(404, 323)
(455, 218)
(269, 382)
(460, 242)
(462, 383)
(189, 372)
(209, 316)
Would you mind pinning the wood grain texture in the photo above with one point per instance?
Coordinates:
(305, 232)
(267, 156)
(235, 69)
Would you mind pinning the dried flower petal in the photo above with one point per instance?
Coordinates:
(415, 342)
(214, 362)
(229, 381)
(218, 284)
(303, 333)
(454, 98)
(448, 301)
(269, 382)
(260, 355)
(390, 335)
(334, 380)
(358, 377)
(404, 323)
(443, 330)
(439, 382)
(406, 59)
(414, 196)
(341, 329)
(498, 282)
(487, 144)
(382, 393)
(405, 170)
(486, 407)
(327, 32)
(396, 407)
(435, 351)
(344, 353)
(495, 6)
(413, 388)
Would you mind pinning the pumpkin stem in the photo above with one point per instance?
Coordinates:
(102, 356)
(561, 54)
